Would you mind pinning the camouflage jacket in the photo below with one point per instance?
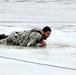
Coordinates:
(25, 38)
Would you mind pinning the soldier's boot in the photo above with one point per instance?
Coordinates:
(3, 36)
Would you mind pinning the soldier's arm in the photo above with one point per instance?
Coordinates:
(35, 40)
(43, 43)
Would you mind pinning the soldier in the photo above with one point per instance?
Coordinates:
(34, 37)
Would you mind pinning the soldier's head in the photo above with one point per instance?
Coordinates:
(46, 32)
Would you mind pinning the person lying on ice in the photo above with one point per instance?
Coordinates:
(34, 37)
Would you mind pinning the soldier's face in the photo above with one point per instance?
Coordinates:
(46, 34)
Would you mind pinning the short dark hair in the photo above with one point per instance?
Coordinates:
(47, 28)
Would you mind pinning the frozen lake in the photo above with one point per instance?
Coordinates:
(61, 45)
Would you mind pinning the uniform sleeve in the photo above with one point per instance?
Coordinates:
(38, 45)
(35, 40)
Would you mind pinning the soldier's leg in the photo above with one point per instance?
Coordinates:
(3, 36)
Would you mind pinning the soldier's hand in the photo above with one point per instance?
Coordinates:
(43, 43)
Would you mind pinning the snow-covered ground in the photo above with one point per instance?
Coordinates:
(61, 45)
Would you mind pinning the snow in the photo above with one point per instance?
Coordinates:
(61, 45)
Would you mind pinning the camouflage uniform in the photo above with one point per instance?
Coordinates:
(25, 38)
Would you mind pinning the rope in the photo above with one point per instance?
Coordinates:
(74, 69)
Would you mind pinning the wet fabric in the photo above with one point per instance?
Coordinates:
(25, 38)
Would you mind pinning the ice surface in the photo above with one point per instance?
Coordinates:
(61, 45)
